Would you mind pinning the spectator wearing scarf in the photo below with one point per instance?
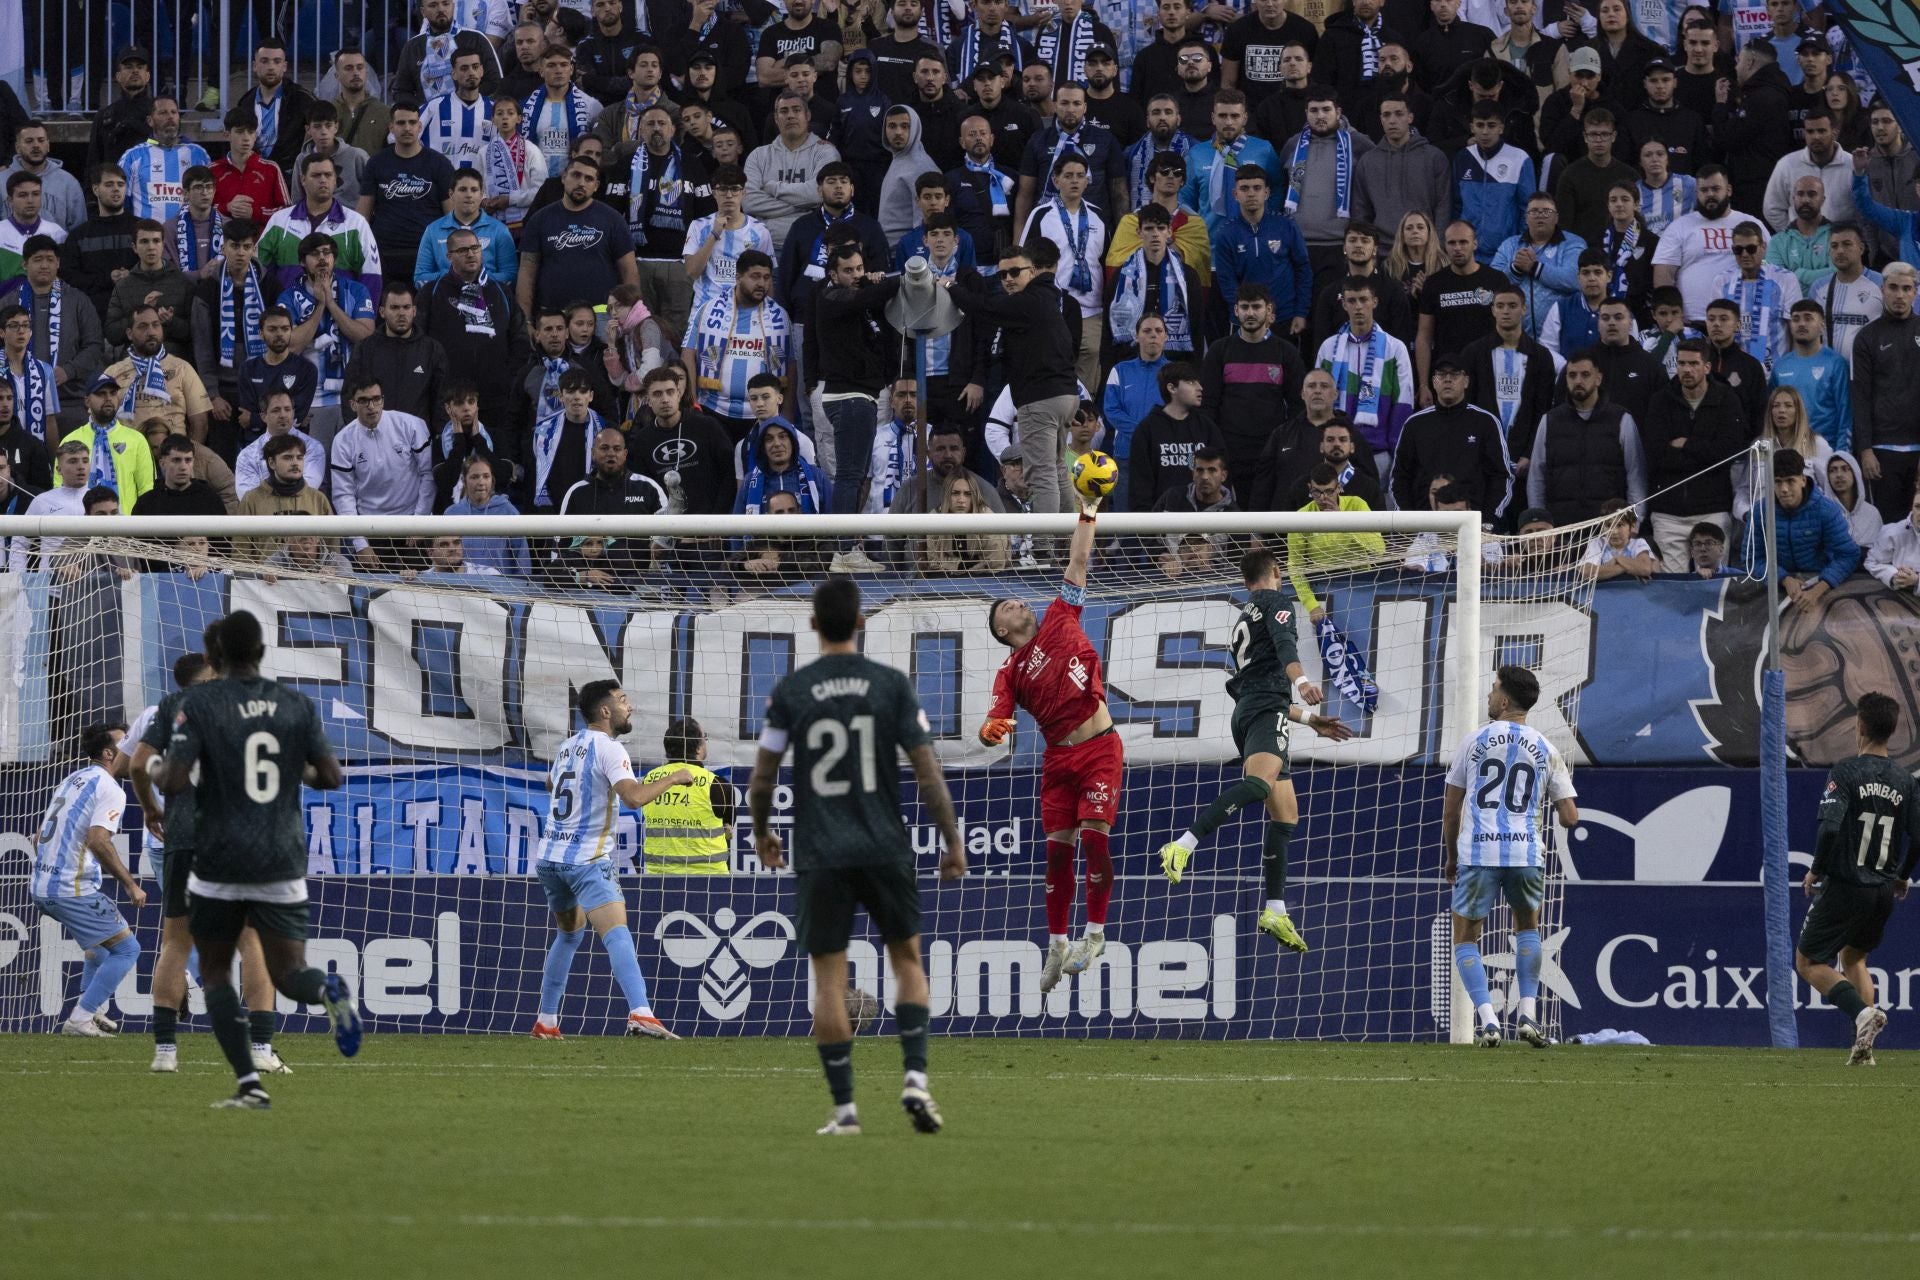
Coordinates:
(514, 171)
(1372, 374)
(798, 475)
(228, 312)
(66, 328)
(983, 192)
(556, 115)
(118, 457)
(975, 45)
(1319, 178)
(1211, 166)
(1063, 42)
(196, 234)
(1154, 281)
(36, 397)
(1163, 137)
(477, 321)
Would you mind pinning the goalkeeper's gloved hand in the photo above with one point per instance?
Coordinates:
(994, 732)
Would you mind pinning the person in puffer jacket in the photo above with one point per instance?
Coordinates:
(1815, 545)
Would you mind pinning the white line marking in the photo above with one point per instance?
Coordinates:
(1518, 1233)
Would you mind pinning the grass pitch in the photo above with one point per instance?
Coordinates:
(479, 1157)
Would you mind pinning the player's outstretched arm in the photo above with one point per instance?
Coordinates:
(1080, 549)
(766, 768)
(939, 801)
(636, 794)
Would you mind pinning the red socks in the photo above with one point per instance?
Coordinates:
(1099, 876)
(1059, 887)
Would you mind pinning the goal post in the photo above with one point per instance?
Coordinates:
(445, 694)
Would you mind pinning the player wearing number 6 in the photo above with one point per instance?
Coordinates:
(1501, 779)
(1266, 679)
(1054, 673)
(255, 741)
(1860, 869)
(589, 780)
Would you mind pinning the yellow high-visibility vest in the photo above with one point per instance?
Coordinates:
(684, 835)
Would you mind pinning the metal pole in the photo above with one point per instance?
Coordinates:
(1775, 871)
(1469, 663)
(921, 462)
(226, 51)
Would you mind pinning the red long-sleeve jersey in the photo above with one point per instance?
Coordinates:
(1055, 675)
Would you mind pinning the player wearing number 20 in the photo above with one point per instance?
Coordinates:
(1867, 814)
(1266, 678)
(1054, 672)
(589, 780)
(255, 741)
(1502, 778)
(848, 718)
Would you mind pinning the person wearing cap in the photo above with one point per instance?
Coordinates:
(1814, 548)
(1814, 57)
(1662, 118)
(122, 123)
(1453, 437)
(701, 85)
(1120, 112)
(1821, 158)
(62, 202)
(117, 455)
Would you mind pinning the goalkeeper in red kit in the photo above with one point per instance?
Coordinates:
(1054, 673)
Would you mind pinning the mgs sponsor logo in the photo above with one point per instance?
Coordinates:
(725, 956)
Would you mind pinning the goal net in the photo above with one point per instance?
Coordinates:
(445, 694)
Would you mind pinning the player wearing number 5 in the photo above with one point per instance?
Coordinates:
(1054, 673)
(1266, 679)
(1860, 868)
(1490, 824)
(589, 780)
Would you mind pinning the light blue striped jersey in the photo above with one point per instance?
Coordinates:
(717, 280)
(62, 865)
(1503, 769)
(732, 344)
(584, 807)
(138, 731)
(155, 186)
(459, 131)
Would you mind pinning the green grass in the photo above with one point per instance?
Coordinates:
(477, 1157)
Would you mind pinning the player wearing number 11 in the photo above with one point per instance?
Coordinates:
(1867, 814)
(1497, 782)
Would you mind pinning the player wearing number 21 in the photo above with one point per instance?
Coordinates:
(1490, 823)
(1054, 673)
(255, 741)
(1860, 867)
(589, 780)
(1266, 679)
(848, 719)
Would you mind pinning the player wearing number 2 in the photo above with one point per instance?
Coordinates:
(589, 780)
(1266, 679)
(1860, 867)
(255, 741)
(1498, 781)
(1054, 673)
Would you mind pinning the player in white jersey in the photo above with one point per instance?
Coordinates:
(1499, 782)
(74, 843)
(590, 779)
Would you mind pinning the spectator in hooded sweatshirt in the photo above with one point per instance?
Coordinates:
(1814, 544)
(899, 211)
(480, 496)
(1404, 173)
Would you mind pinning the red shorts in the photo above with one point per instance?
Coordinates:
(1081, 783)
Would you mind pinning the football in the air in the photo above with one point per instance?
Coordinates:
(862, 1009)
(1094, 474)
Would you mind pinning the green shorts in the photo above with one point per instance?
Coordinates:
(825, 899)
(1262, 730)
(1844, 915)
(218, 920)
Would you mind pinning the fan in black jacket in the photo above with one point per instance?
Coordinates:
(1456, 438)
(1509, 345)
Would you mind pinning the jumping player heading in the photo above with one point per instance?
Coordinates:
(1054, 673)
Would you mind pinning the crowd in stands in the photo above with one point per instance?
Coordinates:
(1523, 259)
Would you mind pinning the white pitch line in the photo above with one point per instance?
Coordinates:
(1502, 1232)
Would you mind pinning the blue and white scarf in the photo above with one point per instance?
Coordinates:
(100, 469)
(505, 171)
(546, 447)
(655, 201)
(1081, 277)
(436, 64)
(1370, 41)
(268, 115)
(817, 263)
(149, 380)
(1342, 660)
(1342, 172)
(535, 105)
(1219, 179)
(1140, 155)
(1358, 387)
(1763, 317)
(240, 327)
(56, 305)
(1660, 206)
(30, 393)
(936, 23)
(480, 433)
(1130, 297)
(635, 108)
(999, 185)
(973, 47)
(187, 244)
(550, 385)
(1619, 246)
(302, 303)
(1509, 379)
(1066, 50)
